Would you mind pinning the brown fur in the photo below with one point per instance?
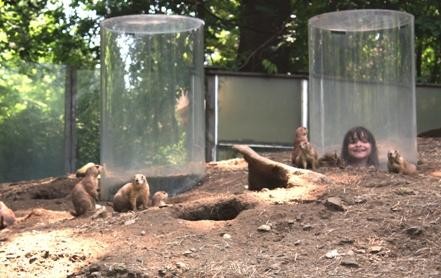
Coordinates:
(307, 156)
(159, 198)
(81, 172)
(7, 216)
(300, 136)
(397, 164)
(86, 192)
(331, 160)
(133, 194)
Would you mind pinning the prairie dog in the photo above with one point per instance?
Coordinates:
(331, 160)
(85, 192)
(81, 172)
(159, 199)
(133, 194)
(307, 156)
(397, 164)
(7, 216)
(301, 135)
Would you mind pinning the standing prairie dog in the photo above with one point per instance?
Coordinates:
(159, 198)
(7, 216)
(301, 135)
(81, 172)
(85, 192)
(397, 164)
(133, 194)
(307, 156)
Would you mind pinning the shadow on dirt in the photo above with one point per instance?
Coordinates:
(218, 210)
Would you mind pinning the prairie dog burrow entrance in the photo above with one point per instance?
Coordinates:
(217, 210)
(45, 194)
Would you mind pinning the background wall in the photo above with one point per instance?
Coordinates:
(36, 121)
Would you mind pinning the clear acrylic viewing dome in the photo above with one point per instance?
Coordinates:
(152, 101)
(362, 73)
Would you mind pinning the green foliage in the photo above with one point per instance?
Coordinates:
(41, 31)
(31, 122)
(49, 31)
(87, 120)
(140, 126)
(172, 153)
(427, 28)
(221, 33)
(270, 67)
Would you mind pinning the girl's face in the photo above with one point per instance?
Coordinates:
(359, 149)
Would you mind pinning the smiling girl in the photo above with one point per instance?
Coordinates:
(359, 148)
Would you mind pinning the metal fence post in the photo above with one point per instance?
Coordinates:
(69, 119)
(304, 98)
(211, 116)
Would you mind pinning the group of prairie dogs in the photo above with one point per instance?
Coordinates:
(305, 156)
(136, 194)
(133, 195)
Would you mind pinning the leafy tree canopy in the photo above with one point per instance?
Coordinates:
(247, 35)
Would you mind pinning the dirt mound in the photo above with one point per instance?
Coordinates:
(364, 223)
(431, 133)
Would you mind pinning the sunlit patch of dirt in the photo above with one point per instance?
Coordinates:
(202, 225)
(436, 174)
(229, 164)
(278, 195)
(42, 217)
(294, 194)
(47, 253)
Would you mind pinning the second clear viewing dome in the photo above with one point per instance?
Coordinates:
(362, 73)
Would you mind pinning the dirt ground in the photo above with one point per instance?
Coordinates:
(387, 225)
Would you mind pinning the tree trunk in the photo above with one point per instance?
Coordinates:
(266, 173)
(261, 26)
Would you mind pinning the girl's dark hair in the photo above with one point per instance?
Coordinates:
(355, 134)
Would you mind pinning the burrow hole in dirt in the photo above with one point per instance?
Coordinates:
(49, 194)
(219, 211)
